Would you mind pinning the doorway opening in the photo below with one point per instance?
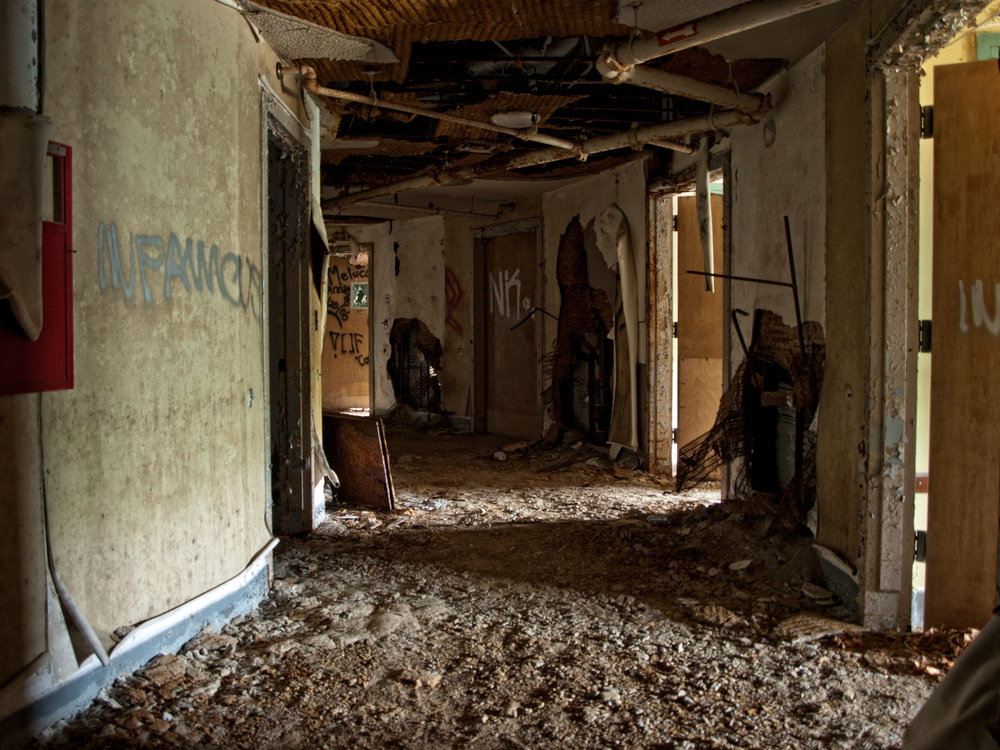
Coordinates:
(290, 423)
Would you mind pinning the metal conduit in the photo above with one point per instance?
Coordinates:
(308, 75)
(636, 138)
(690, 88)
(727, 22)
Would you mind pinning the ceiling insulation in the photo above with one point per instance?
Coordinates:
(385, 148)
(401, 24)
(294, 38)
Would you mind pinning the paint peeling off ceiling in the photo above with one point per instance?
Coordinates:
(292, 38)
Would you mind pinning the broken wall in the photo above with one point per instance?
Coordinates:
(623, 186)
(408, 281)
(154, 464)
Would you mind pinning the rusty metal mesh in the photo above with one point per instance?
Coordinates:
(731, 440)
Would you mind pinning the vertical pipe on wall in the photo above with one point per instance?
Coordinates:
(21, 57)
(703, 202)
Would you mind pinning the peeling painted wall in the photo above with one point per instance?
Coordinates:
(778, 170)
(457, 360)
(409, 270)
(154, 464)
(624, 186)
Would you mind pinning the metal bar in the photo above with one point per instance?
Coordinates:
(524, 320)
(731, 277)
(795, 289)
(308, 75)
(739, 331)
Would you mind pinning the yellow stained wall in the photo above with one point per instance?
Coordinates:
(154, 464)
(346, 352)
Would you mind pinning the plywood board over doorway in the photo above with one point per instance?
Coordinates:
(510, 271)
(699, 325)
(964, 498)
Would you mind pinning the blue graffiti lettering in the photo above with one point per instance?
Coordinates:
(175, 269)
(176, 263)
(223, 290)
(146, 261)
(209, 269)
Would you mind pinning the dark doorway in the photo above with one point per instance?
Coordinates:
(291, 427)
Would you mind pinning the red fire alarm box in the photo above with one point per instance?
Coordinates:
(46, 364)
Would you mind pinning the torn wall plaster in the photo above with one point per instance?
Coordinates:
(624, 186)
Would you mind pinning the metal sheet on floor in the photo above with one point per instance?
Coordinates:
(356, 450)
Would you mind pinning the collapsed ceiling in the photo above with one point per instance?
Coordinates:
(516, 65)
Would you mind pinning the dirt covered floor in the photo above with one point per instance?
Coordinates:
(548, 599)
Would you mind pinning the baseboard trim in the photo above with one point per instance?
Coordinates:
(164, 634)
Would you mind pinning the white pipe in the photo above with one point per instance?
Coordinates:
(703, 203)
(727, 22)
(635, 138)
(690, 88)
(308, 75)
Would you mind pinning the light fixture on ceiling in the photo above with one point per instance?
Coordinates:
(515, 119)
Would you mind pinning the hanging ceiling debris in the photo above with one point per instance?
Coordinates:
(518, 87)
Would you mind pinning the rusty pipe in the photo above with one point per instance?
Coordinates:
(690, 88)
(308, 76)
(635, 138)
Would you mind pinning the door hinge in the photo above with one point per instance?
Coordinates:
(673, 434)
(920, 546)
(675, 329)
(675, 222)
(924, 337)
(927, 121)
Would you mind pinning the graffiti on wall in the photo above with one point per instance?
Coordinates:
(349, 345)
(502, 283)
(237, 279)
(338, 296)
(980, 317)
(452, 296)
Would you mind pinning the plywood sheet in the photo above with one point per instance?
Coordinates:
(700, 383)
(699, 313)
(965, 392)
(511, 363)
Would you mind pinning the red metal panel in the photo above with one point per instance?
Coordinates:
(46, 364)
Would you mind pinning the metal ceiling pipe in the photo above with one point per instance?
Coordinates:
(635, 138)
(690, 88)
(308, 75)
(674, 146)
(727, 22)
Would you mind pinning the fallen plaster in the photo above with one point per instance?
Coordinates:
(32, 703)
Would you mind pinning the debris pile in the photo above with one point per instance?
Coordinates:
(520, 608)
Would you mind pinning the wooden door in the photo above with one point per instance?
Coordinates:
(699, 325)
(510, 272)
(962, 505)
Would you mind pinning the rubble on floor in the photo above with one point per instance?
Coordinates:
(503, 606)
